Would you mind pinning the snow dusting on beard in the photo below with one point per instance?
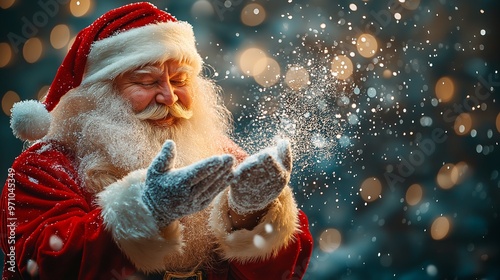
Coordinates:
(109, 140)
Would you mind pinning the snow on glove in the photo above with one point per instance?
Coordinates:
(260, 178)
(172, 193)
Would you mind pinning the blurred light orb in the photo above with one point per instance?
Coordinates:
(440, 228)
(425, 121)
(445, 89)
(463, 124)
(249, 58)
(42, 92)
(202, 8)
(330, 240)
(79, 8)
(253, 14)
(414, 194)
(367, 45)
(353, 7)
(342, 67)
(444, 176)
(5, 4)
(8, 99)
(32, 50)
(458, 172)
(59, 36)
(498, 122)
(270, 74)
(5, 54)
(431, 270)
(370, 189)
(70, 43)
(297, 77)
(387, 73)
(371, 92)
(411, 4)
(353, 119)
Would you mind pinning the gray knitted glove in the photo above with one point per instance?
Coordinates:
(260, 178)
(172, 193)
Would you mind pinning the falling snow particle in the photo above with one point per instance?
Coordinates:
(32, 268)
(56, 243)
(268, 228)
(258, 241)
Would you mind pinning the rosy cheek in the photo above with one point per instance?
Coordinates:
(138, 98)
(185, 98)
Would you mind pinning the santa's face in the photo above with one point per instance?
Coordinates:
(157, 86)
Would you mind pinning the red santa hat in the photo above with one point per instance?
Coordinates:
(120, 40)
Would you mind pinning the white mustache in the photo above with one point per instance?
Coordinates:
(158, 112)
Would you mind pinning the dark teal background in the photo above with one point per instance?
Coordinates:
(386, 238)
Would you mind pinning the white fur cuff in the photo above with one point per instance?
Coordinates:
(275, 230)
(133, 227)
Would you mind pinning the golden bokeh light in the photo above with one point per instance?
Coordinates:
(8, 99)
(249, 58)
(440, 228)
(458, 172)
(463, 124)
(366, 45)
(444, 176)
(70, 43)
(411, 4)
(297, 77)
(342, 67)
(79, 8)
(253, 14)
(32, 50)
(330, 240)
(5, 54)
(445, 89)
(414, 194)
(5, 4)
(370, 189)
(59, 36)
(498, 122)
(42, 92)
(270, 74)
(387, 73)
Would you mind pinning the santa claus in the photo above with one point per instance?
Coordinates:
(131, 172)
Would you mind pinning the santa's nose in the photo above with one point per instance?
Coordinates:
(166, 94)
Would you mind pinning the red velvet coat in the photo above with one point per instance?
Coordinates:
(53, 229)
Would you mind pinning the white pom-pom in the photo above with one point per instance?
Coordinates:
(29, 120)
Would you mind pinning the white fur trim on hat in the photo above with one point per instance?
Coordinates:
(132, 225)
(29, 120)
(136, 47)
(275, 230)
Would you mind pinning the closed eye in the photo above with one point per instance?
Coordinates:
(147, 83)
(179, 83)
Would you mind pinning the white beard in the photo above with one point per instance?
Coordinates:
(109, 142)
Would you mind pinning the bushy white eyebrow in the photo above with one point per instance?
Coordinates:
(149, 69)
(157, 71)
(184, 69)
